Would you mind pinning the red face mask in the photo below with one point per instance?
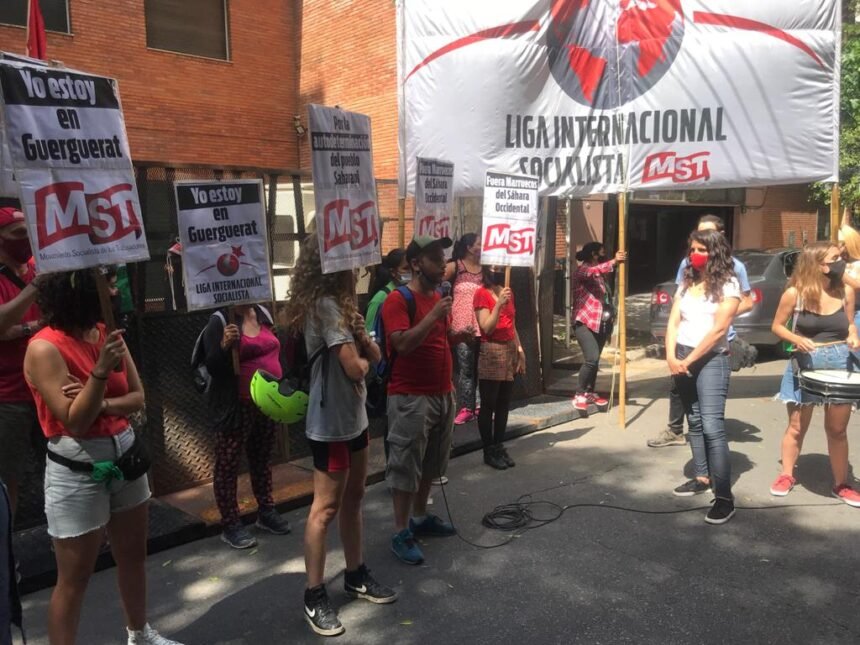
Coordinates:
(698, 260)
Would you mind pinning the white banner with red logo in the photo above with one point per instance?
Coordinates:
(69, 151)
(509, 220)
(347, 218)
(598, 96)
(434, 198)
(225, 248)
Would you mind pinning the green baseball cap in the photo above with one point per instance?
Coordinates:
(422, 243)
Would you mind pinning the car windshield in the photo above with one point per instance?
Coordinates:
(756, 263)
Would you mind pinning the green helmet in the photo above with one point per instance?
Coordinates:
(277, 399)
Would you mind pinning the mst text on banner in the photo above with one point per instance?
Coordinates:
(347, 218)
(509, 221)
(69, 151)
(594, 96)
(225, 249)
(434, 198)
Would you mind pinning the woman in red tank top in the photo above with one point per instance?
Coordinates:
(85, 385)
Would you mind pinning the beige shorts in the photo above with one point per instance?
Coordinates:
(420, 428)
(74, 503)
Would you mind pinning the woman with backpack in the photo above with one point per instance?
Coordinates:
(322, 307)
(465, 273)
(393, 272)
(238, 422)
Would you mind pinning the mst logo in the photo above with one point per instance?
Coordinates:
(64, 210)
(356, 226)
(519, 241)
(429, 225)
(679, 170)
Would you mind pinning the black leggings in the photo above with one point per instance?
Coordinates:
(495, 404)
(591, 345)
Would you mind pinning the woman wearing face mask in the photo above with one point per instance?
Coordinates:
(501, 356)
(464, 271)
(697, 354)
(393, 272)
(850, 243)
(822, 332)
(590, 326)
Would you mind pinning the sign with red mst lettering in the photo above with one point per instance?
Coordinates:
(510, 220)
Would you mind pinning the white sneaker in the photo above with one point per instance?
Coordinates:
(148, 636)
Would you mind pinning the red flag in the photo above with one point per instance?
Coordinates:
(37, 43)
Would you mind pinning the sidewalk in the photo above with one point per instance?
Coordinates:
(782, 571)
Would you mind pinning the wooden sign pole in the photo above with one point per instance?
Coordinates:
(103, 289)
(507, 277)
(622, 311)
(835, 215)
(231, 316)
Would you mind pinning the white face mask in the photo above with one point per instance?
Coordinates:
(405, 278)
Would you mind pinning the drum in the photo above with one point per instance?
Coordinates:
(830, 386)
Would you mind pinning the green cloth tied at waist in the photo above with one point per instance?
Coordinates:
(105, 471)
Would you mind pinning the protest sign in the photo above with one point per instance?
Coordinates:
(434, 198)
(68, 149)
(347, 218)
(225, 249)
(509, 220)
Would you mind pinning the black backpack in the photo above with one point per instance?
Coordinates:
(377, 379)
(200, 376)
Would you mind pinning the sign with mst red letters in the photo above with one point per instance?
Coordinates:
(434, 199)
(69, 152)
(509, 220)
(225, 249)
(347, 219)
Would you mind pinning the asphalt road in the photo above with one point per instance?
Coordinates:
(784, 573)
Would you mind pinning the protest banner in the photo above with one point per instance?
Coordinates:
(434, 198)
(68, 149)
(509, 220)
(609, 96)
(347, 217)
(225, 249)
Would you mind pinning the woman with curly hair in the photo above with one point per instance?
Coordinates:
(822, 331)
(323, 308)
(697, 354)
(85, 386)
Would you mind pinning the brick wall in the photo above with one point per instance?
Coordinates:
(787, 211)
(182, 109)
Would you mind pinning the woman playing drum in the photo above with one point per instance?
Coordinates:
(822, 330)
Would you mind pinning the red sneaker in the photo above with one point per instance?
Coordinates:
(782, 486)
(596, 399)
(463, 416)
(847, 495)
(580, 402)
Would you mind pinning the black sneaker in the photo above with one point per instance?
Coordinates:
(319, 613)
(493, 460)
(270, 520)
(503, 454)
(690, 488)
(721, 512)
(238, 537)
(360, 584)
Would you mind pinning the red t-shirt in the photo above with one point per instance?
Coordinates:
(13, 387)
(504, 330)
(81, 357)
(427, 369)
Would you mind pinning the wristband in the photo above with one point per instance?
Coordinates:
(97, 377)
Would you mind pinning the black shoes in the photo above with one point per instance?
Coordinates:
(690, 488)
(270, 520)
(360, 584)
(494, 459)
(503, 453)
(721, 512)
(319, 613)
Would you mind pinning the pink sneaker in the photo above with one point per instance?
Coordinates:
(463, 416)
(596, 399)
(782, 486)
(847, 495)
(580, 402)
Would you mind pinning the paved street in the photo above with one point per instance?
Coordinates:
(779, 574)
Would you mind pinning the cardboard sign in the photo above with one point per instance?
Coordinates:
(509, 220)
(434, 198)
(69, 152)
(347, 218)
(225, 249)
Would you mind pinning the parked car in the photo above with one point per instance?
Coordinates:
(768, 272)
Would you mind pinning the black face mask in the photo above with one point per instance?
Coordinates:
(836, 271)
(498, 278)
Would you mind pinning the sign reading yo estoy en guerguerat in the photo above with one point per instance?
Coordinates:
(347, 218)
(69, 151)
(225, 250)
(509, 220)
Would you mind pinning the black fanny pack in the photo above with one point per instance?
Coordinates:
(133, 464)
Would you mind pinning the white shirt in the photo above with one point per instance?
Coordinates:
(698, 313)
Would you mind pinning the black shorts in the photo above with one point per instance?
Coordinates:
(336, 456)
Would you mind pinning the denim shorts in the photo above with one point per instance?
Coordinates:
(75, 504)
(830, 357)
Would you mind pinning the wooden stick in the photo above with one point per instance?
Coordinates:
(622, 312)
(835, 216)
(401, 222)
(234, 351)
(105, 304)
(507, 277)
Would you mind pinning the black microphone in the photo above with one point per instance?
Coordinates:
(445, 289)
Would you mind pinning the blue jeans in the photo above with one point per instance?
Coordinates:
(704, 397)
(829, 357)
